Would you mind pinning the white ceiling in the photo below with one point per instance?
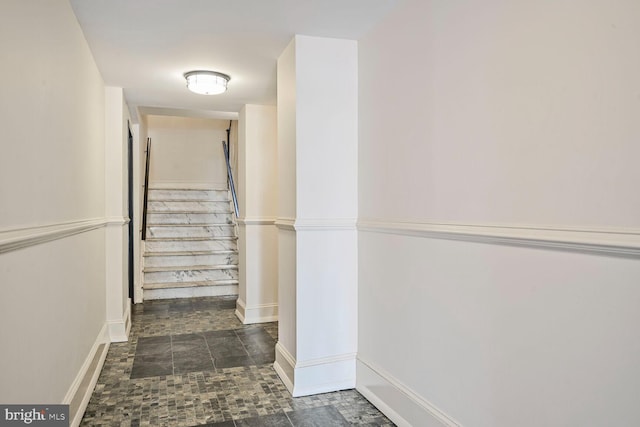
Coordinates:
(145, 46)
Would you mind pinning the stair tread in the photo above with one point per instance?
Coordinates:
(168, 285)
(191, 212)
(190, 268)
(190, 253)
(209, 224)
(186, 189)
(188, 201)
(199, 239)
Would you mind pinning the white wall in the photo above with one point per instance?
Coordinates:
(116, 195)
(499, 213)
(257, 186)
(187, 152)
(287, 199)
(52, 174)
(317, 238)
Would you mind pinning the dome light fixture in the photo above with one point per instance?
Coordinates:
(206, 82)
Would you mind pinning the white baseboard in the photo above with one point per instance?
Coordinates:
(285, 366)
(85, 381)
(119, 329)
(315, 376)
(261, 313)
(397, 401)
(191, 292)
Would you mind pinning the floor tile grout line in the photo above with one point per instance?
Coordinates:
(213, 360)
(287, 415)
(173, 364)
(242, 344)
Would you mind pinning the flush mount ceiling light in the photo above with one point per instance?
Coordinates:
(206, 82)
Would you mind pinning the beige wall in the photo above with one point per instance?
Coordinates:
(188, 151)
(51, 173)
(499, 213)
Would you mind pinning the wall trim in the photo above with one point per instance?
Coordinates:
(314, 376)
(19, 238)
(322, 224)
(81, 388)
(317, 224)
(119, 329)
(284, 223)
(260, 313)
(396, 400)
(326, 360)
(116, 221)
(256, 221)
(607, 241)
(284, 366)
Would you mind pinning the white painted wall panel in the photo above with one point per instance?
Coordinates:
(287, 132)
(326, 108)
(52, 171)
(522, 114)
(496, 335)
(499, 114)
(52, 110)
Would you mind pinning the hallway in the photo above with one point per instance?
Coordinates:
(190, 362)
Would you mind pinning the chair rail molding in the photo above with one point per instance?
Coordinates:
(256, 221)
(317, 224)
(18, 238)
(604, 241)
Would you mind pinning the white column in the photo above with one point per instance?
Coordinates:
(317, 212)
(116, 237)
(257, 194)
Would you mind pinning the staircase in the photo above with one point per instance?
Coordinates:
(191, 246)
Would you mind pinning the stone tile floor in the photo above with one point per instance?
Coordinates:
(190, 362)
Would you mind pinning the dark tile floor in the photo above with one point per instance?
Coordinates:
(192, 363)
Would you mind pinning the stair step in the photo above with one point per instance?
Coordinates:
(190, 267)
(190, 274)
(200, 283)
(189, 217)
(204, 224)
(156, 206)
(191, 246)
(189, 253)
(190, 230)
(188, 194)
(168, 259)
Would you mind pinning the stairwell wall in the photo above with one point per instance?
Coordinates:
(257, 186)
(52, 210)
(499, 213)
(187, 152)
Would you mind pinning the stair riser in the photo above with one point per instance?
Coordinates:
(188, 246)
(190, 276)
(187, 260)
(164, 206)
(201, 291)
(222, 195)
(177, 231)
(190, 218)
